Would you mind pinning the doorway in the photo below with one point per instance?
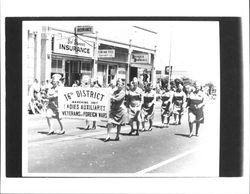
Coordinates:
(72, 72)
(111, 72)
(133, 73)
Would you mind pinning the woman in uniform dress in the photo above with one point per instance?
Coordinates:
(195, 109)
(179, 99)
(147, 109)
(166, 106)
(134, 106)
(118, 112)
(52, 107)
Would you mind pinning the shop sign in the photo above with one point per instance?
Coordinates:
(121, 72)
(106, 53)
(84, 30)
(84, 103)
(73, 46)
(140, 58)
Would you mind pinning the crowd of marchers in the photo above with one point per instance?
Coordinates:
(133, 104)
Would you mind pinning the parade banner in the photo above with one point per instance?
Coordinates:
(84, 103)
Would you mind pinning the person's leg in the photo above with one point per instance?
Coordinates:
(143, 125)
(150, 124)
(168, 119)
(162, 119)
(175, 122)
(87, 124)
(190, 129)
(37, 109)
(131, 123)
(32, 108)
(109, 126)
(137, 127)
(51, 130)
(197, 129)
(62, 131)
(179, 119)
(118, 132)
(94, 125)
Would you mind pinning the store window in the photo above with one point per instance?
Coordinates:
(56, 66)
(86, 71)
(86, 68)
(111, 72)
(102, 74)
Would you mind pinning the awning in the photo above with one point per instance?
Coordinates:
(71, 57)
(142, 66)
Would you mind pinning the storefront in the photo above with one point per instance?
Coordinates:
(141, 66)
(112, 63)
(77, 57)
(73, 58)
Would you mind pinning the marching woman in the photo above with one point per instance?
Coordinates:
(52, 107)
(195, 109)
(166, 106)
(118, 112)
(134, 105)
(179, 99)
(147, 109)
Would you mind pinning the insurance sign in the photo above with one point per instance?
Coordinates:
(73, 46)
(84, 30)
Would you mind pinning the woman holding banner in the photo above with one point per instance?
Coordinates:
(118, 111)
(134, 105)
(52, 107)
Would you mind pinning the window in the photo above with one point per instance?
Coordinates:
(56, 66)
(59, 64)
(86, 68)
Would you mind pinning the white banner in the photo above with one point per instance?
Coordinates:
(73, 46)
(84, 103)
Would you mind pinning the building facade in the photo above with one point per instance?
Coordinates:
(85, 56)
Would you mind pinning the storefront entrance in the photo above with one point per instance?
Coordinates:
(133, 73)
(76, 70)
(106, 73)
(111, 72)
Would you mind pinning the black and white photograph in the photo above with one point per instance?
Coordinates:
(121, 98)
(124, 97)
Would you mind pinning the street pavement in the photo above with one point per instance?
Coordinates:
(160, 152)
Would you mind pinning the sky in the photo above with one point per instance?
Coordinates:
(189, 46)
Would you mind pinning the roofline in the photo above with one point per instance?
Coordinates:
(103, 39)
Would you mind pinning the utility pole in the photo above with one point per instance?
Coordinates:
(129, 61)
(170, 58)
